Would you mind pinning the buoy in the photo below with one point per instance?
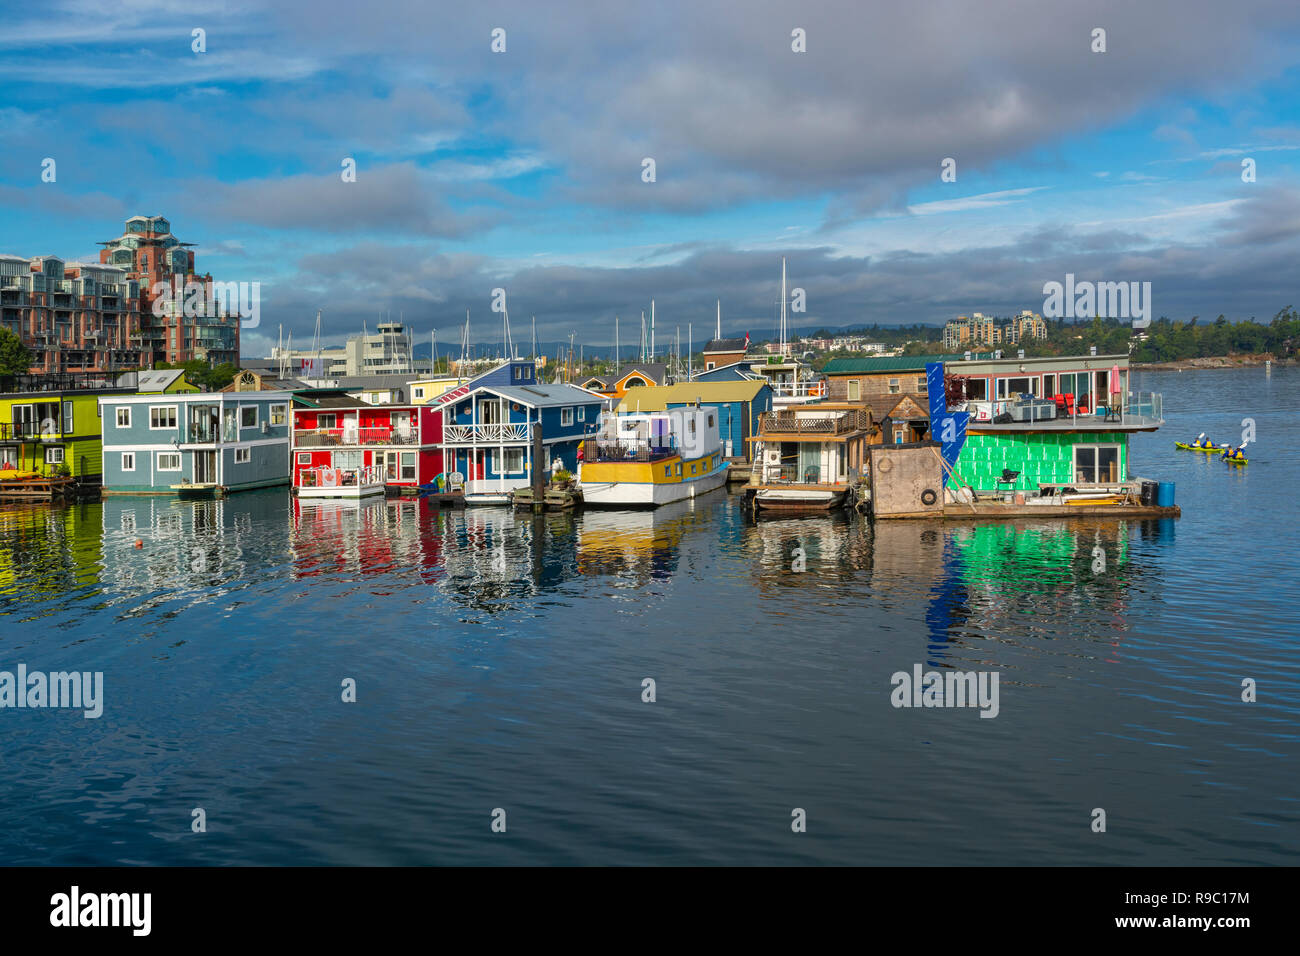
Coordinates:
(139, 543)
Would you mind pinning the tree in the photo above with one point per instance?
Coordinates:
(15, 357)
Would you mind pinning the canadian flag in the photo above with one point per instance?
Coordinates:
(746, 340)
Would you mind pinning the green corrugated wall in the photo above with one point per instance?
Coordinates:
(1040, 457)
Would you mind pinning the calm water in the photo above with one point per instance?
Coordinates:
(499, 663)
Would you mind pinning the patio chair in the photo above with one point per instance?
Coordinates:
(1008, 478)
(456, 481)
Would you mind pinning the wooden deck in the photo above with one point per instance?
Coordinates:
(39, 488)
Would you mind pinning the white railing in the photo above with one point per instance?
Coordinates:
(798, 389)
(326, 477)
(453, 434)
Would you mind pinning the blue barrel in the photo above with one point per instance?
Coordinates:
(1165, 494)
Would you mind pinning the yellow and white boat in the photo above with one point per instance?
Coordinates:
(647, 459)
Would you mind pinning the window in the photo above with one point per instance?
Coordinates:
(1096, 463)
(582, 413)
(304, 458)
(977, 389)
(54, 456)
(1012, 388)
(900, 436)
(162, 416)
(67, 418)
(514, 462)
(327, 420)
(169, 461)
(128, 461)
(566, 417)
(893, 386)
(920, 383)
(668, 471)
(408, 463)
(1049, 385)
(243, 456)
(519, 373)
(710, 419)
(418, 392)
(124, 416)
(278, 413)
(709, 366)
(248, 416)
(855, 389)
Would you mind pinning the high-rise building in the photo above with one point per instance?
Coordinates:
(149, 253)
(74, 317)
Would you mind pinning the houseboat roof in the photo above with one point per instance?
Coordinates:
(543, 396)
(915, 363)
(685, 393)
(158, 379)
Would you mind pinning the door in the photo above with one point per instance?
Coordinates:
(205, 467)
(392, 465)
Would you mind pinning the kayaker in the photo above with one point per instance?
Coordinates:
(1201, 441)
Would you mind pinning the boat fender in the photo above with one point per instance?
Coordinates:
(929, 497)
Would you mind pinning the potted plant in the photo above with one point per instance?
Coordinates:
(562, 478)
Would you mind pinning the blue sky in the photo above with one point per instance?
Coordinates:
(522, 169)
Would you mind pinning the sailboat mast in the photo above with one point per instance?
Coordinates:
(783, 305)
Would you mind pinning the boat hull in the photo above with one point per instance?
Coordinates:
(1183, 446)
(805, 498)
(643, 494)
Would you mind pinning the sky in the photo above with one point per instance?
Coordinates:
(525, 170)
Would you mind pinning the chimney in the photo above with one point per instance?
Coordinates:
(1020, 353)
(1092, 350)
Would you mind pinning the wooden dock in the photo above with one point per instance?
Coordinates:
(39, 488)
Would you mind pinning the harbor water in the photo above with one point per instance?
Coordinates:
(501, 662)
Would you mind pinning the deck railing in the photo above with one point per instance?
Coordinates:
(788, 423)
(625, 449)
(340, 478)
(332, 437)
(517, 432)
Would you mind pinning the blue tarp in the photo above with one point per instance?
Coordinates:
(947, 428)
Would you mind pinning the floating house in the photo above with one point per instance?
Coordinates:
(653, 458)
(344, 445)
(809, 457)
(739, 405)
(488, 430)
(882, 382)
(50, 426)
(203, 443)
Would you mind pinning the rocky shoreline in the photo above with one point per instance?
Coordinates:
(1217, 361)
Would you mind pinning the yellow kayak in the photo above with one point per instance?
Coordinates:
(1237, 461)
(1220, 449)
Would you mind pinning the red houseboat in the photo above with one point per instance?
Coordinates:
(344, 447)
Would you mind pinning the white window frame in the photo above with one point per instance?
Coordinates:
(158, 462)
(895, 386)
(304, 458)
(175, 415)
(243, 456)
(256, 417)
(506, 468)
(417, 391)
(566, 417)
(128, 456)
(280, 410)
(54, 456)
(118, 417)
(1096, 461)
(582, 413)
(853, 390)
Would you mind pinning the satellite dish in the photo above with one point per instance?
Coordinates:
(49, 427)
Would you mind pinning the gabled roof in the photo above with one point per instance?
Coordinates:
(908, 407)
(725, 345)
(658, 398)
(657, 372)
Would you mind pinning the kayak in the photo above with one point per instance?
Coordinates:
(1237, 461)
(1220, 449)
